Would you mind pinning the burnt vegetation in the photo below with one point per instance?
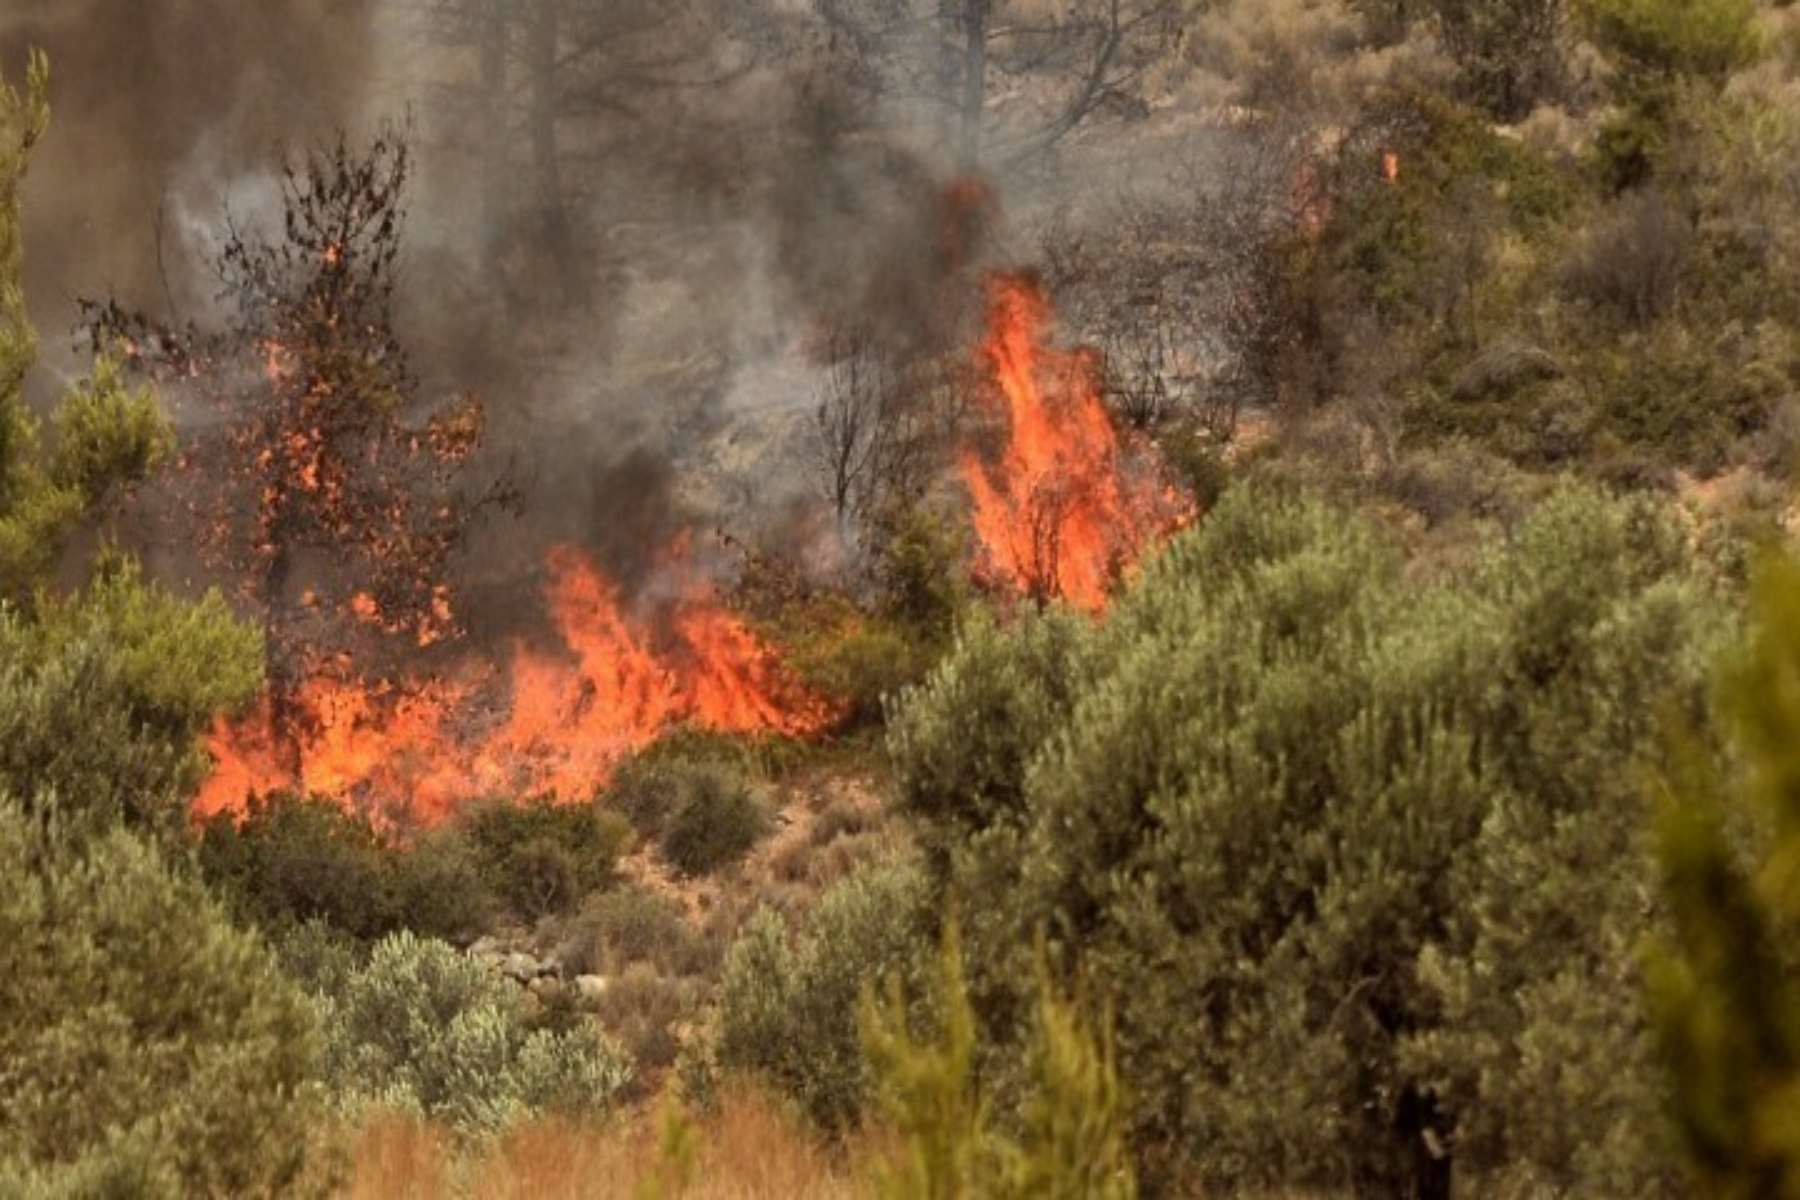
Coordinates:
(331, 497)
(983, 598)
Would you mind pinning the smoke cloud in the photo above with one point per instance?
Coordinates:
(639, 307)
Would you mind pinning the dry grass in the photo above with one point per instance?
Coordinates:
(749, 1149)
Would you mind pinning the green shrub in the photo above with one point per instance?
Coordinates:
(644, 1011)
(1069, 1140)
(1197, 462)
(291, 859)
(1724, 981)
(1370, 841)
(716, 821)
(788, 1002)
(423, 1027)
(1700, 39)
(145, 1044)
(542, 857)
(294, 859)
(646, 790)
(104, 695)
(619, 928)
(436, 886)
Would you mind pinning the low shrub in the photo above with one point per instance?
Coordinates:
(541, 857)
(788, 1001)
(293, 859)
(644, 1011)
(147, 1045)
(617, 929)
(716, 821)
(421, 1027)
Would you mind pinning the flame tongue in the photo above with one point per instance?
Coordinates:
(570, 714)
(1057, 514)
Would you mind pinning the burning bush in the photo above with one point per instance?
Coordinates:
(1062, 509)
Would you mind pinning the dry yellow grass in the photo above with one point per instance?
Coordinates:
(749, 1149)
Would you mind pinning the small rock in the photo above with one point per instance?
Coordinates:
(590, 988)
(522, 967)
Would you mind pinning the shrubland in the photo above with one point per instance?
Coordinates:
(1394, 830)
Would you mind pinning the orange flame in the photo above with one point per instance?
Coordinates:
(569, 715)
(1058, 514)
(1390, 165)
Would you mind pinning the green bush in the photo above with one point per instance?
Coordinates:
(542, 857)
(145, 1044)
(422, 1027)
(619, 928)
(1069, 1141)
(646, 790)
(1699, 39)
(788, 1002)
(644, 1011)
(716, 820)
(104, 695)
(292, 859)
(1370, 840)
(703, 813)
(1725, 983)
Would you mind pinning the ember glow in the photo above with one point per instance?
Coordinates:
(1060, 511)
(554, 721)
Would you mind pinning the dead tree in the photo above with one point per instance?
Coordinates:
(872, 435)
(964, 62)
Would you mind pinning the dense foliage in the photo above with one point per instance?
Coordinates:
(788, 1001)
(1726, 985)
(147, 1047)
(1370, 841)
(422, 1027)
(1321, 862)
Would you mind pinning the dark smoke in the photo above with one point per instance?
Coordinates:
(153, 105)
(634, 350)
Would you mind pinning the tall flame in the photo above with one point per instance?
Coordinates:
(567, 715)
(1059, 512)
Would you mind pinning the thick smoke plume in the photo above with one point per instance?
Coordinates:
(637, 287)
(156, 106)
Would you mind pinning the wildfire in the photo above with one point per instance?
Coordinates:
(613, 683)
(1059, 513)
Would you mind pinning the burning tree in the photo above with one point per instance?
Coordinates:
(1063, 507)
(330, 498)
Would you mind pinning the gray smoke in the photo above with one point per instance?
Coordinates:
(641, 339)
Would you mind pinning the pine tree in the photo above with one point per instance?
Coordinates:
(106, 434)
(1725, 983)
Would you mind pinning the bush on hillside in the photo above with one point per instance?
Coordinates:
(422, 1027)
(147, 1047)
(543, 857)
(788, 1001)
(291, 859)
(1372, 842)
(702, 812)
(716, 821)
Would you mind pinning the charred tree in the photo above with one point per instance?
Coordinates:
(315, 479)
